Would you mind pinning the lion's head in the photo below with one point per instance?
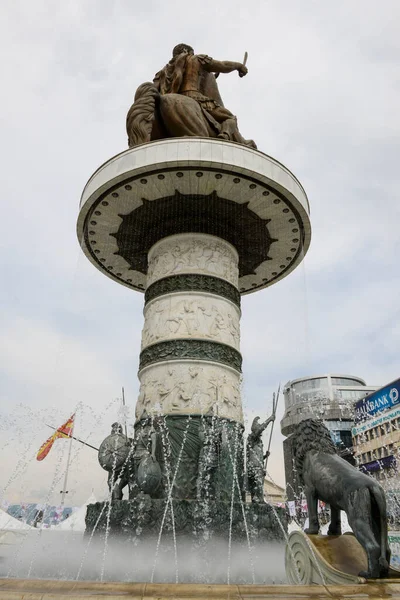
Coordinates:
(310, 435)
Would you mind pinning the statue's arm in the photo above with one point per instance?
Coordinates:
(264, 425)
(224, 66)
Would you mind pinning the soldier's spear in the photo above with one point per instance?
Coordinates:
(274, 405)
(74, 438)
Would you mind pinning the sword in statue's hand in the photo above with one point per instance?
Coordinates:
(246, 56)
(216, 75)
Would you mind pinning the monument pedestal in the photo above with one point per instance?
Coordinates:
(141, 519)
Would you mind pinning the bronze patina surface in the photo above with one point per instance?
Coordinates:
(184, 100)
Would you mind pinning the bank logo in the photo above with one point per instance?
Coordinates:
(394, 395)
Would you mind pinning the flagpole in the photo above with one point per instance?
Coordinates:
(64, 491)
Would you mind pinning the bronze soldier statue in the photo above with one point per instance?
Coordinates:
(114, 454)
(147, 472)
(184, 100)
(255, 459)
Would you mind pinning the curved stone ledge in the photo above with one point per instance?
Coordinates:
(144, 179)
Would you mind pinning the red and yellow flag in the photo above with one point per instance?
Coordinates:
(64, 431)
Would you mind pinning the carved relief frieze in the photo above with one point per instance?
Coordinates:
(181, 349)
(193, 253)
(191, 316)
(189, 388)
(195, 283)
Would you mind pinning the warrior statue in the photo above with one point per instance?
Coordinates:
(147, 471)
(184, 100)
(114, 455)
(255, 459)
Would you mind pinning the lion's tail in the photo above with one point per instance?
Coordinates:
(379, 496)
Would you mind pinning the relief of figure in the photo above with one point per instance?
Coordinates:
(184, 100)
(147, 398)
(180, 259)
(188, 389)
(167, 390)
(228, 393)
(255, 459)
(218, 325)
(196, 255)
(192, 256)
(233, 327)
(204, 317)
(189, 318)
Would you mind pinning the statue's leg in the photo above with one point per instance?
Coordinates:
(335, 528)
(251, 485)
(229, 126)
(260, 486)
(312, 505)
(363, 531)
(116, 493)
(360, 520)
(183, 116)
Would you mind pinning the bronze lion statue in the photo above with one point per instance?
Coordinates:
(329, 478)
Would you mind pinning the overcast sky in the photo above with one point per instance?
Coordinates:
(321, 96)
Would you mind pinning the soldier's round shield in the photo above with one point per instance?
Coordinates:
(113, 452)
(149, 475)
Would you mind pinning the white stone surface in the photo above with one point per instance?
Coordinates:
(191, 315)
(198, 151)
(193, 253)
(234, 172)
(189, 387)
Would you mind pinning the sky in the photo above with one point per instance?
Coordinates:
(321, 96)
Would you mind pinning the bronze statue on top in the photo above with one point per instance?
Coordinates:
(184, 100)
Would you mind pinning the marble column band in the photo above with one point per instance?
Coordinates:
(190, 360)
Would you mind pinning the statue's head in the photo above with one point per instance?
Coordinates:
(255, 425)
(182, 49)
(116, 428)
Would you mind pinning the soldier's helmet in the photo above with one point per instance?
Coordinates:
(255, 426)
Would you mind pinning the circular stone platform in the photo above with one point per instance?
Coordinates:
(193, 185)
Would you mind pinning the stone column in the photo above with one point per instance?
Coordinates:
(194, 223)
(190, 362)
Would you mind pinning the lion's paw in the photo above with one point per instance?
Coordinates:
(332, 531)
(312, 530)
